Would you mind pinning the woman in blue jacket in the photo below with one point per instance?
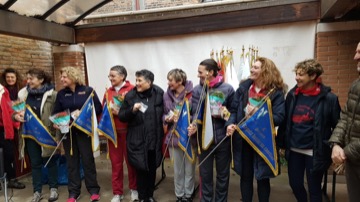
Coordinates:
(312, 112)
(73, 96)
(264, 77)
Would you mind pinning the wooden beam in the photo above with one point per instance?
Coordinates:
(200, 23)
(32, 28)
(334, 9)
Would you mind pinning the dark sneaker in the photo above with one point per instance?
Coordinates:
(14, 184)
(187, 199)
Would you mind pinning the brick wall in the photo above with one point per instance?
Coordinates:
(149, 4)
(24, 54)
(335, 51)
(115, 6)
(127, 5)
(65, 56)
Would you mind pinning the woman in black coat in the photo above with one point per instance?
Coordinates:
(312, 112)
(142, 110)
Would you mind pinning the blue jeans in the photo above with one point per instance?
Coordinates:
(37, 162)
(297, 165)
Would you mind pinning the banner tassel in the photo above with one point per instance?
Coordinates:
(232, 153)
(71, 143)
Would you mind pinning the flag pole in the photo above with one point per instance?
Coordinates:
(173, 129)
(183, 160)
(201, 99)
(57, 146)
(241, 121)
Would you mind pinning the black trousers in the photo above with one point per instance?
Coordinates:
(9, 155)
(222, 157)
(82, 149)
(247, 177)
(145, 180)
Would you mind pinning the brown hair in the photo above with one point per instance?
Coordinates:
(270, 74)
(310, 67)
(19, 81)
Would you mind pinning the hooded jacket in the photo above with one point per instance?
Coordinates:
(347, 131)
(326, 117)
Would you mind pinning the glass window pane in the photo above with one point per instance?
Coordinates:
(2, 2)
(72, 10)
(32, 7)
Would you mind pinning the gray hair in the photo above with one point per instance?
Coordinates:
(120, 69)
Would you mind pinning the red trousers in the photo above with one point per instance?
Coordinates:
(117, 156)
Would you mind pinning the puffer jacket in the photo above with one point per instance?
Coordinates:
(237, 111)
(347, 131)
(326, 117)
(47, 105)
(138, 139)
(221, 90)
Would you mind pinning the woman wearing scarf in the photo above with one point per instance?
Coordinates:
(312, 112)
(179, 88)
(11, 80)
(220, 95)
(264, 76)
(40, 95)
(77, 144)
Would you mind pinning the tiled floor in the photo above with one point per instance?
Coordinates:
(280, 190)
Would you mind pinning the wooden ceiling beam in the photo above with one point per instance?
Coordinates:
(32, 28)
(334, 9)
(291, 12)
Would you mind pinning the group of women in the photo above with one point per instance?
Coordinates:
(306, 117)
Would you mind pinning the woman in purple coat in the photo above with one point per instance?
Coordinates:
(178, 90)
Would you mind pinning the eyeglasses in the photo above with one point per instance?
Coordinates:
(113, 76)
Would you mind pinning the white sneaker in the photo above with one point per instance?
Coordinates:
(117, 198)
(54, 195)
(134, 195)
(37, 197)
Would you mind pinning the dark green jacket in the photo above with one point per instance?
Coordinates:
(347, 131)
(47, 105)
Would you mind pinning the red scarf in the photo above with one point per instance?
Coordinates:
(315, 90)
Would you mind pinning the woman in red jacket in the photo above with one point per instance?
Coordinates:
(119, 87)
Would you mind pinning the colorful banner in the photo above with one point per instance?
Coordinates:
(18, 105)
(259, 132)
(87, 122)
(33, 128)
(182, 132)
(106, 125)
